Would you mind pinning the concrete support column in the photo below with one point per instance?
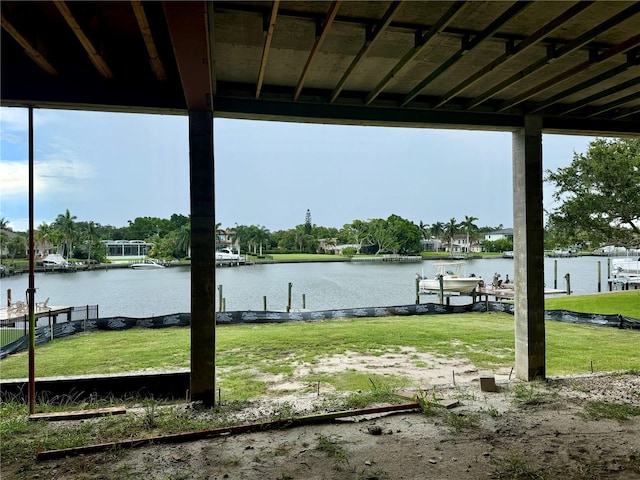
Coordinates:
(203, 315)
(528, 250)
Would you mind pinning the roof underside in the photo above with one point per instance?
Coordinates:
(445, 64)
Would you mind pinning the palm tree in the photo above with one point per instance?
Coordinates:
(91, 235)
(184, 238)
(437, 230)
(44, 234)
(4, 223)
(66, 224)
(450, 229)
(469, 227)
(425, 230)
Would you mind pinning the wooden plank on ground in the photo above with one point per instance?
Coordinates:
(78, 414)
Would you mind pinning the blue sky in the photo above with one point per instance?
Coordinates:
(112, 167)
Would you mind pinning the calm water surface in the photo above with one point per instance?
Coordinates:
(142, 293)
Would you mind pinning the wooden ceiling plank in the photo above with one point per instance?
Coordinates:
(573, 45)
(154, 59)
(435, 29)
(477, 40)
(552, 82)
(267, 46)
(370, 41)
(29, 49)
(511, 53)
(331, 15)
(94, 56)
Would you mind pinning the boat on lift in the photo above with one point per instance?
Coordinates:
(453, 279)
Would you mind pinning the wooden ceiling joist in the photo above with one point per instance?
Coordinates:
(370, 40)
(188, 24)
(552, 82)
(154, 59)
(466, 48)
(97, 60)
(566, 49)
(267, 46)
(420, 44)
(614, 104)
(512, 52)
(331, 15)
(31, 51)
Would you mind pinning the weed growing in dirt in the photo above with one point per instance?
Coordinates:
(531, 394)
(461, 421)
(597, 410)
(429, 402)
(333, 448)
(514, 467)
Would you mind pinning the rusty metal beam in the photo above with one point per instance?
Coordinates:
(154, 59)
(552, 82)
(188, 27)
(86, 43)
(421, 42)
(267, 46)
(511, 53)
(466, 48)
(573, 45)
(29, 49)
(370, 40)
(328, 21)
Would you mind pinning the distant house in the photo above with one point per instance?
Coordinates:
(505, 233)
(226, 239)
(337, 249)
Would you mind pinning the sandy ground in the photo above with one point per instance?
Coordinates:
(522, 431)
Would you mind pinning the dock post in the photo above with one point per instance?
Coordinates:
(599, 277)
(289, 298)
(441, 290)
(304, 300)
(264, 303)
(568, 279)
(220, 298)
(417, 291)
(8, 297)
(555, 274)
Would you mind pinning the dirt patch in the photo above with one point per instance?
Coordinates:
(524, 431)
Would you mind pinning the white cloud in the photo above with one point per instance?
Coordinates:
(52, 175)
(17, 119)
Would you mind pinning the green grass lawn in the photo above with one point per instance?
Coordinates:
(626, 303)
(245, 352)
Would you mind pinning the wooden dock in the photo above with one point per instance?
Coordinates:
(9, 316)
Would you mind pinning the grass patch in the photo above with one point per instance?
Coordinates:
(532, 394)
(625, 303)
(514, 467)
(333, 447)
(617, 411)
(244, 352)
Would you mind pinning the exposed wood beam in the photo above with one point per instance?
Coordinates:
(267, 46)
(420, 44)
(33, 53)
(145, 30)
(466, 48)
(562, 51)
(600, 95)
(614, 104)
(331, 15)
(520, 47)
(188, 24)
(94, 56)
(370, 40)
(552, 82)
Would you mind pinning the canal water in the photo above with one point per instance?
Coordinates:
(143, 293)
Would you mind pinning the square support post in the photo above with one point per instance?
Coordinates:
(203, 315)
(528, 250)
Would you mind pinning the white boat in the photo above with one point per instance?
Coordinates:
(228, 255)
(625, 265)
(146, 265)
(55, 261)
(453, 279)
